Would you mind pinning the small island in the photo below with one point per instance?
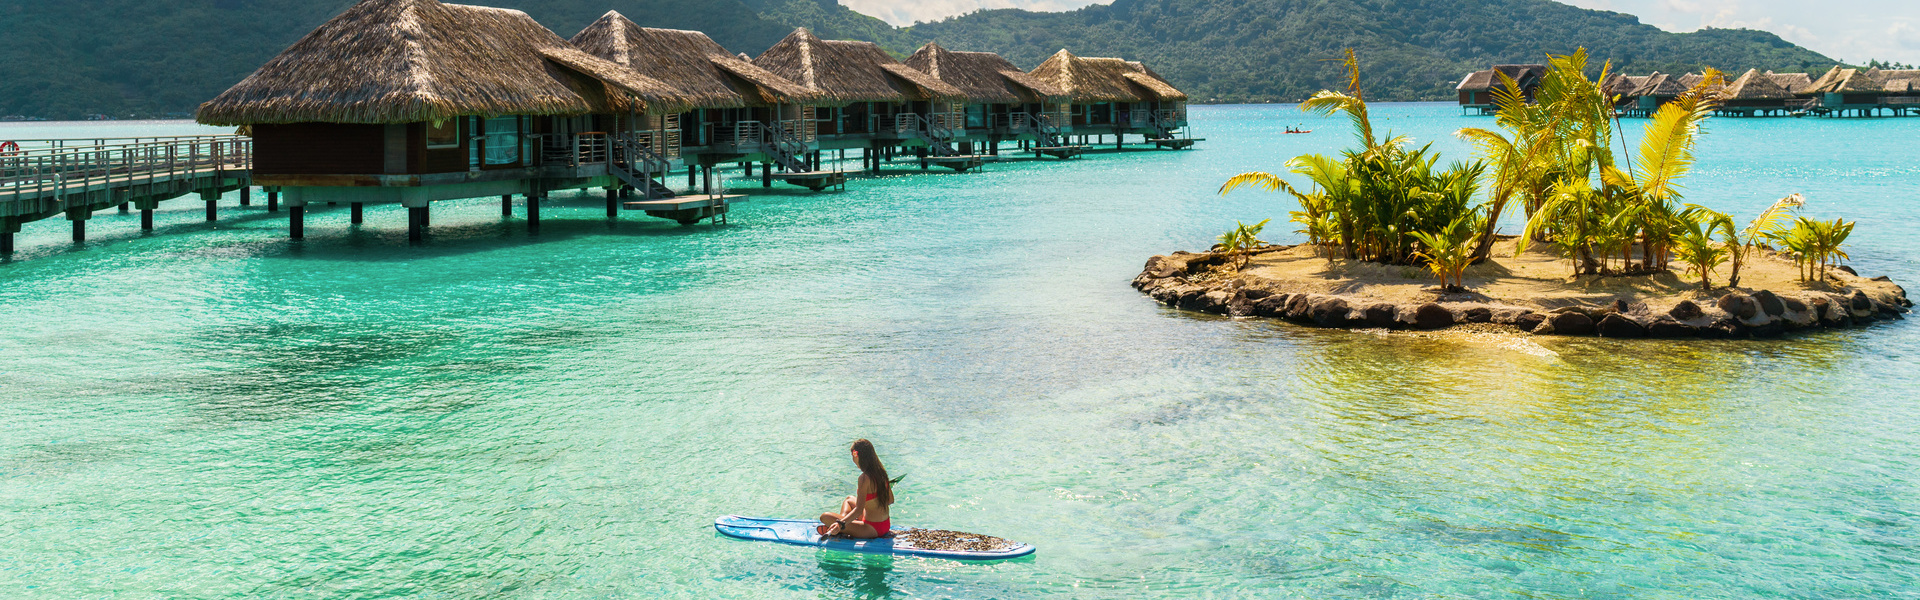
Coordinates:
(1524, 292)
(1608, 247)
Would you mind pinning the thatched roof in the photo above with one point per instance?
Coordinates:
(1754, 85)
(1897, 81)
(404, 61)
(847, 72)
(690, 62)
(1088, 80)
(1839, 80)
(1623, 85)
(1480, 81)
(985, 77)
(1792, 82)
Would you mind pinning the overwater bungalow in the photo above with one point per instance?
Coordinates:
(1869, 92)
(1111, 96)
(1622, 88)
(1003, 103)
(1757, 93)
(1476, 89)
(413, 101)
(872, 102)
(738, 112)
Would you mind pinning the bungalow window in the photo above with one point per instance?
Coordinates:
(443, 134)
(503, 141)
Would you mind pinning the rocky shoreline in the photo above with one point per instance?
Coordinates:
(1190, 281)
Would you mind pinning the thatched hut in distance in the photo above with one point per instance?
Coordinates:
(412, 101)
(1117, 97)
(1754, 92)
(876, 103)
(1003, 102)
(1857, 92)
(737, 112)
(1476, 89)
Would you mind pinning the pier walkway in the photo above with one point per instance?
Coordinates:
(76, 178)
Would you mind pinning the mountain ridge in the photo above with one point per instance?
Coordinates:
(147, 58)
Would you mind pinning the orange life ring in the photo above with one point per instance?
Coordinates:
(9, 148)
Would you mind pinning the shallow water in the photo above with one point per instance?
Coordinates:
(212, 411)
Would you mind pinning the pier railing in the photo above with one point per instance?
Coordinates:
(59, 170)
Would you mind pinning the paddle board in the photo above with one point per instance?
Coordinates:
(800, 533)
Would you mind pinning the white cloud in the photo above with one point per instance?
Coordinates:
(1850, 30)
(908, 12)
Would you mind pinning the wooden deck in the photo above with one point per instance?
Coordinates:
(961, 163)
(814, 180)
(1060, 152)
(1176, 143)
(79, 178)
(688, 210)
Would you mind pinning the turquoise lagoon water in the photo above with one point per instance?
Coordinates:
(213, 411)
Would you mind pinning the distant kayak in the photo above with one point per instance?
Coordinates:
(1307, 131)
(906, 541)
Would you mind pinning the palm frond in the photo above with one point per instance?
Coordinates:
(1259, 179)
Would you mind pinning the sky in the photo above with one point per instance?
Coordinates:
(1850, 30)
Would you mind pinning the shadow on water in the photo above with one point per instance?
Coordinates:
(861, 575)
(289, 370)
(372, 246)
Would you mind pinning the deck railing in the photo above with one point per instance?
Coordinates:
(57, 170)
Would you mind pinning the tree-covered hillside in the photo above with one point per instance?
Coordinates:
(1260, 50)
(158, 57)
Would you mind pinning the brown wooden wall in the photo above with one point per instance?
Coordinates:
(319, 149)
(449, 160)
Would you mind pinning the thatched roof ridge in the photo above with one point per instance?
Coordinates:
(1624, 85)
(404, 61)
(690, 62)
(849, 71)
(1480, 81)
(1754, 85)
(1796, 83)
(1897, 81)
(1088, 80)
(1843, 80)
(985, 77)
(1650, 85)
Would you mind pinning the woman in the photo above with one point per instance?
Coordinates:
(864, 514)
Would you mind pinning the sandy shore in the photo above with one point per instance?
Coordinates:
(1533, 292)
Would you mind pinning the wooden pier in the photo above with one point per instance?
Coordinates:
(76, 178)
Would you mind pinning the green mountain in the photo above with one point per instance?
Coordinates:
(131, 58)
(1265, 50)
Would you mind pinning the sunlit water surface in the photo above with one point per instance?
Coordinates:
(213, 411)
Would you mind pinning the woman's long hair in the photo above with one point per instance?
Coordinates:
(876, 473)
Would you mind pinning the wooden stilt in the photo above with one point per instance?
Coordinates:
(246, 196)
(706, 180)
(123, 208)
(766, 175)
(79, 231)
(506, 205)
(273, 201)
(213, 210)
(6, 243)
(359, 213)
(146, 219)
(533, 213)
(613, 203)
(297, 222)
(416, 224)
(693, 176)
